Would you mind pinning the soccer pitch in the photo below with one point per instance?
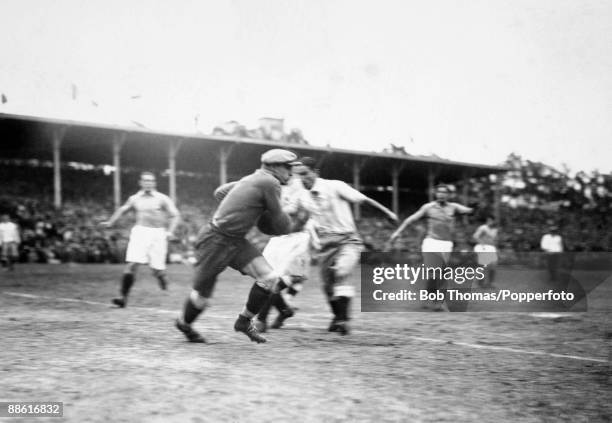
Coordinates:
(63, 341)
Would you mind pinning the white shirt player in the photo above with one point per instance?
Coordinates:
(329, 202)
(486, 235)
(152, 208)
(552, 243)
(9, 232)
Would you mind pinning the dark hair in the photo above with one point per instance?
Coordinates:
(309, 162)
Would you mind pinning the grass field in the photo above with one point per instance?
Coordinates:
(62, 341)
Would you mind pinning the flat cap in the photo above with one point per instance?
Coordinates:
(279, 156)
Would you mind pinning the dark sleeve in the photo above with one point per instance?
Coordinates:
(272, 200)
(223, 190)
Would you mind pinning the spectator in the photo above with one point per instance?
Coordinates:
(552, 245)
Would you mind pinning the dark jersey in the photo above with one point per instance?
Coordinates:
(243, 202)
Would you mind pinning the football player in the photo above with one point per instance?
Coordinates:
(255, 199)
(290, 256)
(156, 220)
(438, 243)
(329, 203)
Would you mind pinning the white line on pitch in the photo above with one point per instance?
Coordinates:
(76, 300)
(313, 318)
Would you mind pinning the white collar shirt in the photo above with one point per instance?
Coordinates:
(329, 202)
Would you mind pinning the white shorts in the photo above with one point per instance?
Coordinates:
(289, 254)
(9, 249)
(147, 245)
(487, 254)
(430, 245)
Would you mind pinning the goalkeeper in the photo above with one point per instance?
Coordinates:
(255, 199)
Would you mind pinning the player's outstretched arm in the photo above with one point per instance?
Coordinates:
(407, 222)
(460, 208)
(352, 195)
(382, 208)
(118, 213)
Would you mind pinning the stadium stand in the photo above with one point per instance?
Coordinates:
(533, 195)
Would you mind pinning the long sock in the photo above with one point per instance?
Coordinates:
(279, 302)
(190, 311)
(265, 309)
(343, 308)
(162, 278)
(491, 276)
(334, 304)
(257, 298)
(126, 283)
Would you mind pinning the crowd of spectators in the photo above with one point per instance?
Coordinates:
(235, 129)
(67, 235)
(532, 196)
(73, 233)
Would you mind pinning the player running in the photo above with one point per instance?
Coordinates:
(255, 199)
(486, 250)
(156, 220)
(329, 203)
(9, 241)
(290, 256)
(438, 243)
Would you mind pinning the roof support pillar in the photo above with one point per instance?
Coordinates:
(173, 150)
(430, 183)
(497, 200)
(224, 154)
(56, 141)
(396, 169)
(357, 166)
(118, 141)
(465, 192)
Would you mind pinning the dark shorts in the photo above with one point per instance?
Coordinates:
(214, 253)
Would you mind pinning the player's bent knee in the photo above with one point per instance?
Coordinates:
(297, 283)
(345, 266)
(198, 300)
(342, 272)
(269, 281)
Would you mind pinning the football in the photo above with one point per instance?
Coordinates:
(274, 225)
(299, 219)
